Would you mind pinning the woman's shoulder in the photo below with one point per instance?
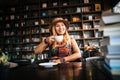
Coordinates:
(72, 40)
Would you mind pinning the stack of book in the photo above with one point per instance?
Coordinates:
(112, 58)
(110, 45)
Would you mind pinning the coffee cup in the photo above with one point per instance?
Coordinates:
(58, 38)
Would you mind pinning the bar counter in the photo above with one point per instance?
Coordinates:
(90, 70)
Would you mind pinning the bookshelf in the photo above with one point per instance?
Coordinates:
(1, 29)
(26, 24)
(83, 15)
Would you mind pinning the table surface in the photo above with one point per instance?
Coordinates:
(67, 71)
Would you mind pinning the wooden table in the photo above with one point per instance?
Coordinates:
(67, 71)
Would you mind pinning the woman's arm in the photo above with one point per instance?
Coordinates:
(40, 48)
(76, 51)
(75, 55)
(44, 44)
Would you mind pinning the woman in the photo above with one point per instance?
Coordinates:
(65, 51)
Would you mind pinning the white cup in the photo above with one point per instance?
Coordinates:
(59, 38)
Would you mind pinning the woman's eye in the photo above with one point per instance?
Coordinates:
(57, 26)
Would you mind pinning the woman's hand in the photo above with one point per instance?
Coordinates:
(56, 61)
(50, 40)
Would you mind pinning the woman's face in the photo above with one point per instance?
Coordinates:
(60, 28)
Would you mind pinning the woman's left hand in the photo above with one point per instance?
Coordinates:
(56, 61)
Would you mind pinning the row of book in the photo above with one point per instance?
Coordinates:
(110, 45)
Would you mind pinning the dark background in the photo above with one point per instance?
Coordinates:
(107, 3)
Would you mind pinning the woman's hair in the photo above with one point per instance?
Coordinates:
(66, 37)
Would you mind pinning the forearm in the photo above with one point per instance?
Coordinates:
(72, 57)
(40, 48)
(68, 58)
(44, 44)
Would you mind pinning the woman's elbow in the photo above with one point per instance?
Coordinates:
(79, 54)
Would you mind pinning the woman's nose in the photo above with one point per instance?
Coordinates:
(61, 27)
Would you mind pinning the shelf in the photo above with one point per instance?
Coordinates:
(25, 25)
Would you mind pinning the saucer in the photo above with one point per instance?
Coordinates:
(48, 64)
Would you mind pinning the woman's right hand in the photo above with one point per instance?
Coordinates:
(50, 39)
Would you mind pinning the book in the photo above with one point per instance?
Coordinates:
(112, 34)
(112, 65)
(111, 18)
(110, 49)
(109, 41)
(114, 41)
(112, 30)
(112, 71)
(112, 56)
(112, 60)
(111, 27)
